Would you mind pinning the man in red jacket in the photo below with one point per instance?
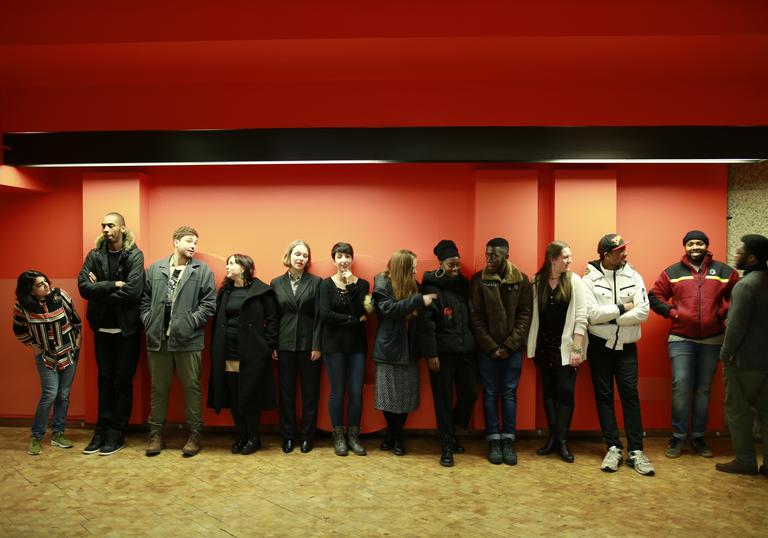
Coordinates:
(694, 294)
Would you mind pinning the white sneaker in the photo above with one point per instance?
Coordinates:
(639, 462)
(612, 460)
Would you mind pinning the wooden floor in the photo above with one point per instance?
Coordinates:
(317, 494)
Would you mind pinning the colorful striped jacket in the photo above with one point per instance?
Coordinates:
(53, 326)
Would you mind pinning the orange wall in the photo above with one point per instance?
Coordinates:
(378, 208)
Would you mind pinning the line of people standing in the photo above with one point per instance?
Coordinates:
(463, 328)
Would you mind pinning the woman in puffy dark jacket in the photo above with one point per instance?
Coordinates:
(397, 299)
(448, 345)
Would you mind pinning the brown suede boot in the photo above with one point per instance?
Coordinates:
(192, 447)
(155, 443)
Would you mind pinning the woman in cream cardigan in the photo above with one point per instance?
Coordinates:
(557, 340)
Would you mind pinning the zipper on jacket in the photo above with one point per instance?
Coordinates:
(700, 282)
(616, 299)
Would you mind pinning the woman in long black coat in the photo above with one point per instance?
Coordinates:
(244, 335)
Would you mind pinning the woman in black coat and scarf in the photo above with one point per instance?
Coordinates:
(448, 345)
(244, 334)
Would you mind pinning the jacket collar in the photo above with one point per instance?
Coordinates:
(706, 261)
(511, 276)
(129, 241)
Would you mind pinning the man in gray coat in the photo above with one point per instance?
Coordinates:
(745, 358)
(179, 298)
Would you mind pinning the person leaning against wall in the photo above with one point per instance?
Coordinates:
(745, 358)
(448, 345)
(500, 305)
(556, 342)
(112, 281)
(617, 304)
(244, 334)
(45, 320)
(344, 346)
(693, 293)
(178, 300)
(397, 300)
(298, 348)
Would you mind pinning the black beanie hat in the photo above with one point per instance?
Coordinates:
(757, 245)
(498, 242)
(445, 249)
(696, 234)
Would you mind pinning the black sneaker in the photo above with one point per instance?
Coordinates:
(494, 452)
(508, 452)
(700, 447)
(114, 442)
(674, 448)
(97, 441)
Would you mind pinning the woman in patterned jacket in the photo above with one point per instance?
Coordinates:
(45, 320)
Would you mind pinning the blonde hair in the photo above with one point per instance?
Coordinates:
(293, 245)
(400, 272)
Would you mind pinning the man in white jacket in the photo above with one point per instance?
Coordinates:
(617, 303)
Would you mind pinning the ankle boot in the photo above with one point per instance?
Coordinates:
(564, 451)
(339, 443)
(548, 447)
(446, 451)
(353, 441)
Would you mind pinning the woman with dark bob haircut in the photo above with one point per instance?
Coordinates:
(298, 347)
(45, 320)
(344, 347)
(244, 334)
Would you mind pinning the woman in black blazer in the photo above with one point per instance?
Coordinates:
(243, 337)
(298, 348)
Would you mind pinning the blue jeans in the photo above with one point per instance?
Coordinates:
(693, 367)
(345, 371)
(55, 386)
(500, 378)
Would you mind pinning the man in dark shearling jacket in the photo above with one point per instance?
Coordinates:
(501, 306)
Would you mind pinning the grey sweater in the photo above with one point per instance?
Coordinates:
(746, 336)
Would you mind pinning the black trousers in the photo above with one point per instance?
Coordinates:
(606, 366)
(247, 421)
(290, 366)
(459, 371)
(116, 357)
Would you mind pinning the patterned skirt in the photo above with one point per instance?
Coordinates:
(397, 387)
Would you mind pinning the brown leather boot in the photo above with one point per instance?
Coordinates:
(192, 447)
(155, 443)
(353, 441)
(339, 443)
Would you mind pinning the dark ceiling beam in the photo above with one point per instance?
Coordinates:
(407, 144)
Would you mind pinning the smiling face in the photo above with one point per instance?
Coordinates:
(451, 266)
(695, 249)
(561, 264)
(186, 246)
(299, 257)
(343, 261)
(616, 259)
(41, 288)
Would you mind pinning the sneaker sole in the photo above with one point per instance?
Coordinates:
(118, 449)
(649, 473)
(33, 453)
(60, 445)
(673, 455)
(89, 452)
(608, 469)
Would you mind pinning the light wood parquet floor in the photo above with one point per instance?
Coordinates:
(319, 494)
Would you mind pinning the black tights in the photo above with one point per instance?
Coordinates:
(395, 424)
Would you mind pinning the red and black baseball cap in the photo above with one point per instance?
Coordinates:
(611, 242)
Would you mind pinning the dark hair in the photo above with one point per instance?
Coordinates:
(757, 245)
(120, 218)
(563, 290)
(24, 285)
(244, 261)
(183, 231)
(344, 248)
